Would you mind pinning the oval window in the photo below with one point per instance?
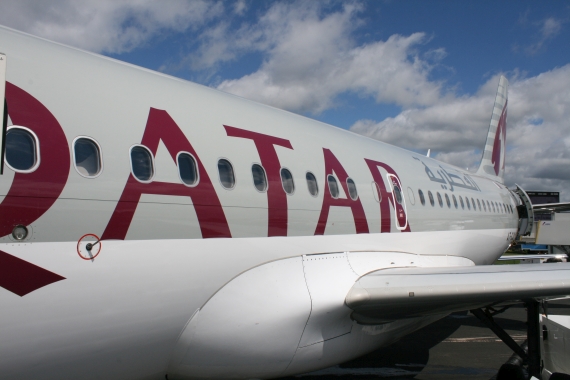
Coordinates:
(439, 200)
(87, 157)
(22, 153)
(447, 200)
(488, 206)
(226, 173)
(351, 189)
(422, 198)
(312, 184)
(468, 204)
(259, 178)
(287, 181)
(461, 201)
(473, 203)
(454, 200)
(484, 206)
(141, 163)
(479, 204)
(187, 169)
(333, 186)
(430, 196)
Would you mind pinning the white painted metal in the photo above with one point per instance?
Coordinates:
(553, 232)
(555, 345)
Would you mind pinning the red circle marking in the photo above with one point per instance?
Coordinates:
(79, 242)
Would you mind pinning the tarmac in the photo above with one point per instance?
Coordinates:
(458, 346)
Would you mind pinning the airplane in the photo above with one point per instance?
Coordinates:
(155, 228)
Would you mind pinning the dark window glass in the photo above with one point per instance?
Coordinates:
(312, 184)
(479, 204)
(461, 201)
(141, 163)
(447, 200)
(422, 199)
(20, 149)
(454, 201)
(351, 189)
(439, 199)
(473, 203)
(468, 204)
(87, 157)
(226, 173)
(333, 186)
(259, 178)
(430, 196)
(484, 206)
(398, 194)
(287, 181)
(187, 169)
(493, 204)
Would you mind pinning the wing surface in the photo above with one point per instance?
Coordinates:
(390, 294)
(551, 207)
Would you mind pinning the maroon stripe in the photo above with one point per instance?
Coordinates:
(21, 277)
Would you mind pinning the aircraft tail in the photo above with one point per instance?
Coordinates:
(493, 160)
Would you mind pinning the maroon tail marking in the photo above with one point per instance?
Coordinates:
(21, 277)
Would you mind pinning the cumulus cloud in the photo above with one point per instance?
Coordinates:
(538, 146)
(105, 26)
(311, 58)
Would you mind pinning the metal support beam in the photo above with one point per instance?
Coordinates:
(502, 334)
(533, 334)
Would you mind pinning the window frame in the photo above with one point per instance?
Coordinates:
(233, 171)
(431, 199)
(37, 146)
(264, 175)
(329, 186)
(348, 187)
(292, 180)
(151, 161)
(196, 165)
(316, 183)
(439, 199)
(100, 156)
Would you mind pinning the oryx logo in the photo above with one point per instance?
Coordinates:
(499, 147)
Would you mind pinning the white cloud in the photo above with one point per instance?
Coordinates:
(547, 30)
(105, 25)
(538, 154)
(311, 58)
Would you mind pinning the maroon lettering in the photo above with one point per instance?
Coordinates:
(32, 194)
(386, 197)
(276, 196)
(211, 217)
(333, 165)
(21, 277)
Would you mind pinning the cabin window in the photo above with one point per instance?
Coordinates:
(142, 164)
(87, 157)
(494, 209)
(398, 194)
(226, 173)
(468, 204)
(259, 177)
(484, 206)
(187, 169)
(461, 201)
(352, 189)
(488, 206)
(447, 200)
(333, 186)
(430, 196)
(287, 181)
(473, 203)
(439, 199)
(454, 200)
(312, 184)
(422, 199)
(22, 150)
(505, 208)
(479, 204)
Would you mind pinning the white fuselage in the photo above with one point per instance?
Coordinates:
(246, 259)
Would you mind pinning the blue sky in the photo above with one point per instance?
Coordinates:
(418, 74)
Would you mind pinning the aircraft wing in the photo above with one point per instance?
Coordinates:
(390, 294)
(551, 207)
